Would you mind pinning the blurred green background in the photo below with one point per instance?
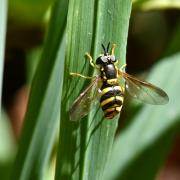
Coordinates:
(154, 34)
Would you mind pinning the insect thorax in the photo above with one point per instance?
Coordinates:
(108, 72)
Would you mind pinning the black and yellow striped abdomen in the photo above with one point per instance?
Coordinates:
(111, 99)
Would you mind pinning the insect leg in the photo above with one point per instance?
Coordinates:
(91, 60)
(80, 75)
(120, 75)
(123, 90)
(113, 49)
(123, 66)
(99, 91)
(116, 63)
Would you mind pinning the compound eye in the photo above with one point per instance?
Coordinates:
(99, 60)
(113, 58)
(104, 59)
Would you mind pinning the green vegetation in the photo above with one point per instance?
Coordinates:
(50, 145)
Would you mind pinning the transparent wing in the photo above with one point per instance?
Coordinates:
(144, 91)
(81, 105)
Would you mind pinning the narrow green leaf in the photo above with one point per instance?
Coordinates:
(174, 45)
(84, 146)
(112, 25)
(142, 146)
(7, 141)
(41, 119)
(3, 18)
(28, 11)
(156, 4)
(7, 146)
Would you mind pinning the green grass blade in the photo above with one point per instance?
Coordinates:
(84, 146)
(41, 119)
(140, 149)
(7, 146)
(174, 45)
(112, 25)
(3, 15)
(156, 4)
(28, 11)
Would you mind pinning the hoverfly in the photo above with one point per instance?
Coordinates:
(110, 93)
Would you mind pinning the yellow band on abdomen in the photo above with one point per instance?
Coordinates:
(120, 98)
(106, 101)
(112, 81)
(105, 90)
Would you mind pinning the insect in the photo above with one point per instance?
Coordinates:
(106, 88)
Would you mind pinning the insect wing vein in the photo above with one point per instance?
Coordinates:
(81, 105)
(144, 91)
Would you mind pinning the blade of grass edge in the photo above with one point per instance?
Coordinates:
(174, 45)
(43, 108)
(28, 12)
(148, 5)
(3, 21)
(90, 23)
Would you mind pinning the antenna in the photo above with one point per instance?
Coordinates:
(108, 47)
(104, 48)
